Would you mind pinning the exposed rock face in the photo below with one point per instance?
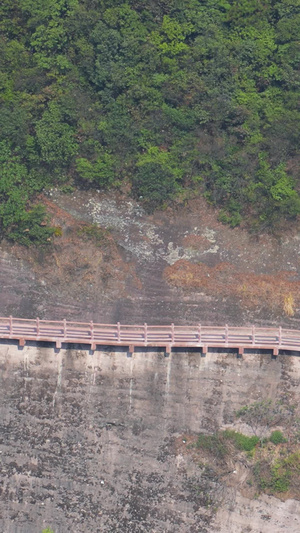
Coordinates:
(87, 441)
(180, 265)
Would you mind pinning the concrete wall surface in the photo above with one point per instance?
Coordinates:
(88, 441)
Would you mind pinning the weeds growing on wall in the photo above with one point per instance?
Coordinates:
(272, 457)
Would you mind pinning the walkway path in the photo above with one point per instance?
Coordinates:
(198, 336)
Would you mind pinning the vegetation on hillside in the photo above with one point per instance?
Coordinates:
(172, 97)
(270, 458)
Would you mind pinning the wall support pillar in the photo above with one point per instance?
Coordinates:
(131, 350)
(168, 350)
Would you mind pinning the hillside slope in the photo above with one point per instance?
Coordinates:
(166, 97)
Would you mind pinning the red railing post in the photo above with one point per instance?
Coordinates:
(10, 325)
(199, 333)
(37, 327)
(145, 333)
(172, 332)
(92, 330)
(226, 334)
(119, 331)
(253, 335)
(279, 335)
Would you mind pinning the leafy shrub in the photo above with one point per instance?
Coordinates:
(101, 171)
(277, 437)
(233, 219)
(58, 231)
(262, 415)
(242, 442)
(67, 189)
(32, 229)
(93, 232)
(273, 478)
(212, 443)
(280, 476)
(216, 443)
(280, 483)
(154, 184)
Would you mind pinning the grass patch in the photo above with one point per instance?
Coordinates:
(277, 437)
(279, 476)
(94, 233)
(241, 441)
(289, 305)
(213, 444)
(217, 443)
(292, 461)
(274, 478)
(272, 471)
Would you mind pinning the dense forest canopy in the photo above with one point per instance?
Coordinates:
(167, 95)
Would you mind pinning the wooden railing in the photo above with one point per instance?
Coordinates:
(94, 334)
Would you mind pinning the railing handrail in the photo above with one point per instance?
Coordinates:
(197, 335)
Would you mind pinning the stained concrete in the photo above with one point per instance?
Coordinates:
(87, 440)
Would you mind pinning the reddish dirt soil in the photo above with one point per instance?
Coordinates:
(179, 265)
(276, 291)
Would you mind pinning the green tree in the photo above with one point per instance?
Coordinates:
(55, 138)
(167, 95)
(19, 220)
(263, 415)
(101, 171)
